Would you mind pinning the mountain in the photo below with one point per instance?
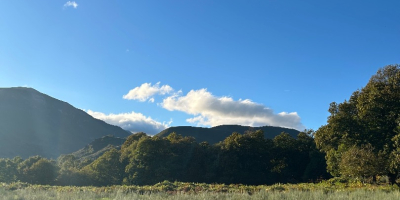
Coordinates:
(33, 123)
(98, 147)
(219, 133)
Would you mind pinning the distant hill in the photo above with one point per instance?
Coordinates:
(33, 123)
(219, 133)
(98, 147)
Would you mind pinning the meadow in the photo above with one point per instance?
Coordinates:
(179, 190)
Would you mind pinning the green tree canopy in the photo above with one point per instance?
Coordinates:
(370, 117)
(8, 170)
(38, 170)
(106, 170)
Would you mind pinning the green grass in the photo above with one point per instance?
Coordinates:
(178, 190)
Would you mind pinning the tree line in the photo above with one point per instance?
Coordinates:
(360, 140)
(144, 160)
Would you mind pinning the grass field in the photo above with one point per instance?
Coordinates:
(178, 190)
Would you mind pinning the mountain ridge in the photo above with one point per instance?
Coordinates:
(34, 123)
(219, 133)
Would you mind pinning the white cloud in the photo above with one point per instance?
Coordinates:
(210, 110)
(146, 91)
(71, 4)
(134, 122)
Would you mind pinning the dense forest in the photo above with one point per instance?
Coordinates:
(144, 160)
(361, 140)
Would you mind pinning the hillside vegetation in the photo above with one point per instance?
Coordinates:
(360, 143)
(143, 160)
(219, 133)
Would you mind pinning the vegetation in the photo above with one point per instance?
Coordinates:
(144, 160)
(362, 136)
(217, 134)
(359, 144)
(179, 190)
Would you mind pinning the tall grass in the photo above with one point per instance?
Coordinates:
(27, 194)
(182, 191)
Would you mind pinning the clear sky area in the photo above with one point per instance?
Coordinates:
(147, 65)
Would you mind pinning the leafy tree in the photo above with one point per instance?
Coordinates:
(129, 146)
(312, 163)
(105, 170)
(38, 170)
(286, 161)
(148, 162)
(24, 168)
(67, 162)
(182, 150)
(245, 158)
(359, 162)
(370, 116)
(8, 170)
(43, 172)
(69, 173)
(202, 166)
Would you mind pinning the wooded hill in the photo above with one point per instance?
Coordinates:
(219, 133)
(33, 123)
(361, 141)
(211, 135)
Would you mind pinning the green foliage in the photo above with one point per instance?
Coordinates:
(106, 170)
(219, 133)
(69, 173)
(157, 159)
(297, 160)
(370, 117)
(335, 189)
(8, 170)
(244, 158)
(148, 162)
(37, 170)
(359, 162)
(145, 160)
(98, 147)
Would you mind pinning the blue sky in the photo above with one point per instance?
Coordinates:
(147, 65)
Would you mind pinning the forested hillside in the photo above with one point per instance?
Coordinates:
(145, 160)
(219, 133)
(361, 141)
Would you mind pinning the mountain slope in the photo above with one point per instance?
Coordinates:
(32, 123)
(219, 133)
(98, 147)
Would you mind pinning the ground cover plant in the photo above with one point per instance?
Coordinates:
(333, 189)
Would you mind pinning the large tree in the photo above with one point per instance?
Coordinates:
(370, 117)
(8, 169)
(37, 170)
(105, 170)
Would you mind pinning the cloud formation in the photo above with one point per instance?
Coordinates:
(134, 122)
(210, 110)
(71, 4)
(146, 91)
